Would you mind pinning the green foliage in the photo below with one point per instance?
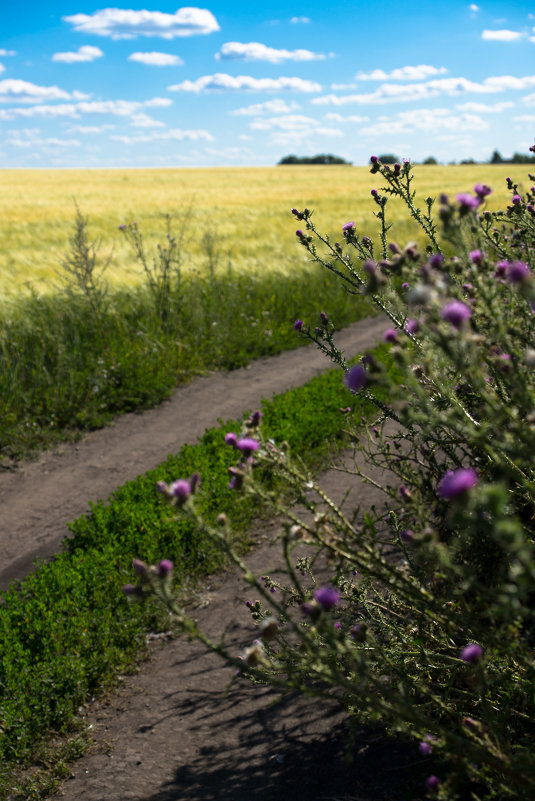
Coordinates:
(72, 360)
(321, 158)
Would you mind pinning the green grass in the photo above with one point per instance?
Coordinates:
(66, 369)
(67, 630)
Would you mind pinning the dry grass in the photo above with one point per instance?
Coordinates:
(246, 209)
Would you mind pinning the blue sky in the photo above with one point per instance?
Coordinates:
(156, 84)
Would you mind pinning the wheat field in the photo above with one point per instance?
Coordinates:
(244, 212)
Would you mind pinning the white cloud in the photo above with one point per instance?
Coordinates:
(120, 108)
(13, 89)
(221, 81)
(85, 53)
(142, 120)
(473, 8)
(2, 68)
(433, 121)
(530, 118)
(418, 73)
(4, 52)
(300, 20)
(341, 87)
(156, 59)
(175, 134)
(388, 93)
(90, 129)
(128, 24)
(484, 108)
(293, 129)
(29, 137)
(291, 122)
(276, 106)
(333, 117)
(502, 36)
(255, 51)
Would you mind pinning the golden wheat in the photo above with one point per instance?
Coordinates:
(244, 211)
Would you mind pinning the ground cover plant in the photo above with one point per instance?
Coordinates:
(66, 631)
(426, 624)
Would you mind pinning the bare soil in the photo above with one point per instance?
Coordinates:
(176, 730)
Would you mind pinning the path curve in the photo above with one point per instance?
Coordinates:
(40, 498)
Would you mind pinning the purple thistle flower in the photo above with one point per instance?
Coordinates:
(411, 326)
(432, 783)
(456, 482)
(424, 748)
(231, 438)
(299, 233)
(298, 325)
(355, 378)
(476, 256)
(122, 227)
(404, 285)
(456, 313)
(406, 535)
(129, 589)
(501, 269)
(436, 260)
(472, 653)
(467, 202)
(180, 489)
(327, 597)
(348, 228)
(247, 445)
(516, 200)
(139, 567)
(390, 335)
(482, 190)
(518, 272)
(165, 568)
(374, 160)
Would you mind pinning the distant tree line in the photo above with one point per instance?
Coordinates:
(321, 158)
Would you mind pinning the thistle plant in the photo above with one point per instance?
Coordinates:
(426, 621)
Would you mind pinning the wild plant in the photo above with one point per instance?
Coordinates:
(425, 622)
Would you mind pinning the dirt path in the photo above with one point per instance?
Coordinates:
(174, 731)
(38, 500)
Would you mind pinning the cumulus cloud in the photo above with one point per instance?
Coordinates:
(473, 8)
(119, 108)
(155, 59)
(128, 24)
(276, 106)
(2, 68)
(388, 92)
(85, 53)
(29, 137)
(300, 20)
(418, 73)
(291, 122)
(223, 82)
(142, 120)
(4, 52)
(175, 134)
(14, 89)
(435, 121)
(484, 108)
(255, 51)
(502, 36)
(90, 129)
(334, 117)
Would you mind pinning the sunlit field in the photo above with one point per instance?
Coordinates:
(246, 210)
